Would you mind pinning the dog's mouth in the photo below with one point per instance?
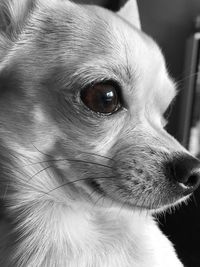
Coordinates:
(149, 189)
(146, 182)
(159, 198)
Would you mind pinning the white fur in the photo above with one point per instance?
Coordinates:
(56, 226)
(64, 232)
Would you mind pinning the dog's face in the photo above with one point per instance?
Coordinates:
(84, 93)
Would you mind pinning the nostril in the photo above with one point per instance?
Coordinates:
(184, 170)
(192, 181)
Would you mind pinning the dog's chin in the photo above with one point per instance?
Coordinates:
(165, 204)
(159, 209)
(170, 207)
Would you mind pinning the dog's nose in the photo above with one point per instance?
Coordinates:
(186, 171)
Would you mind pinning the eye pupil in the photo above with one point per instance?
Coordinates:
(101, 98)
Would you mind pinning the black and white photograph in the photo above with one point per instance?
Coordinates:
(99, 133)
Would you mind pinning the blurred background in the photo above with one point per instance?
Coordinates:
(176, 28)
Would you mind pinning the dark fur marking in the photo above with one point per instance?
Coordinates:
(92, 183)
(10, 82)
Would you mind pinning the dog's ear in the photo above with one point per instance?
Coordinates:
(13, 14)
(129, 12)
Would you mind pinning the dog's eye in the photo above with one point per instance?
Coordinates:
(101, 98)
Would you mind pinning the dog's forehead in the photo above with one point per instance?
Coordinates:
(110, 43)
(108, 30)
(93, 42)
(83, 33)
(134, 50)
(93, 33)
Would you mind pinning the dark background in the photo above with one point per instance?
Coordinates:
(171, 23)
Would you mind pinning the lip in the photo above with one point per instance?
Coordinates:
(166, 201)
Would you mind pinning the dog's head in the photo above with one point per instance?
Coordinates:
(82, 95)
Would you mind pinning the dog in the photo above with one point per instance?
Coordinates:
(85, 160)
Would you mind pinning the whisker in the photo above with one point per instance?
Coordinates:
(40, 171)
(79, 180)
(97, 155)
(14, 155)
(41, 151)
(70, 160)
(18, 173)
(194, 200)
(187, 77)
(81, 152)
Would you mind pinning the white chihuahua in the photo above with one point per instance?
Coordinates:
(84, 157)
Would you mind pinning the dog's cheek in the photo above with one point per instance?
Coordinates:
(46, 133)
(14, 107)
(107, 138)
(22, 121)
